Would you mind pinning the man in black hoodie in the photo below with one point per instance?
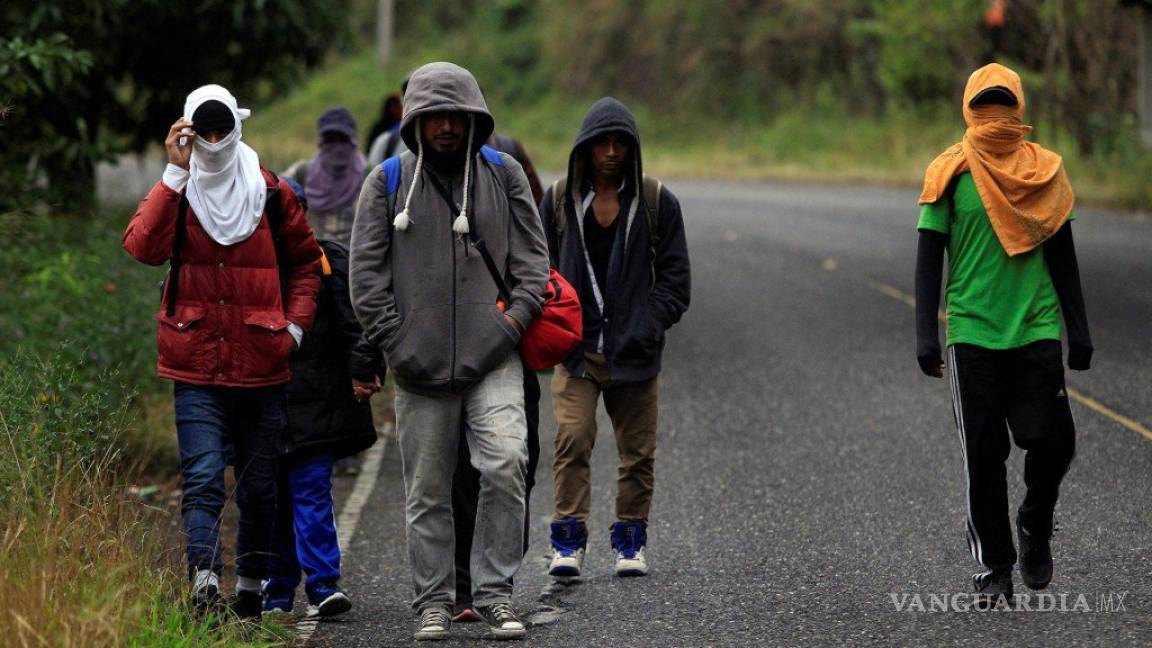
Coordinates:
(618, 237)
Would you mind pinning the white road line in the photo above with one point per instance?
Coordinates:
(350, 515)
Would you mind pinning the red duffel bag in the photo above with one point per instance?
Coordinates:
(552, 336)
(557, 331)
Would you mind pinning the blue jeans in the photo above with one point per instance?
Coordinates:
(211, 424)
(305, 527)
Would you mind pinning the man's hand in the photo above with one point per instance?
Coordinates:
(364, 390)
(1079, 357)
(177, 154)
(514, 324)
(928, 355)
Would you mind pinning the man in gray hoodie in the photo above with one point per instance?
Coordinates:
(425, 297)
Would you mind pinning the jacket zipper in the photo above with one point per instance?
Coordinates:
(452, 319)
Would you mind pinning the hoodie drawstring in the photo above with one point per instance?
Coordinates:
(460, 225)
(403, 220)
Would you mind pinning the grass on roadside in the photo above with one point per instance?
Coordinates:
(83, 565)
(83, 418)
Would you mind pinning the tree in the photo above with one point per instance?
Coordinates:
(86, 79)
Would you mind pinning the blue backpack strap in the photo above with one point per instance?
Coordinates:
(491, 155)
(392, 173)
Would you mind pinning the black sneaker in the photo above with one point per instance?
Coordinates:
(992, 587)
(327, 600)
(207, 600)
(246, 605)
(434, 624)
(1035, 558)
(502, 619)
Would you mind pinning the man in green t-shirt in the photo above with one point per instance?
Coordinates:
(1002, 208)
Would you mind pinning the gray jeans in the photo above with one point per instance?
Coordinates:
(429, 428)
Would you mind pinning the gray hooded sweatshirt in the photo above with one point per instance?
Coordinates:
(421, 291)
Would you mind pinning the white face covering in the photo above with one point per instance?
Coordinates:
(226, 188)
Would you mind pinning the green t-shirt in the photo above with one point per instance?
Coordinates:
(994, 300)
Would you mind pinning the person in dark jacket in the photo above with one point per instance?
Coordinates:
(632, 272)
(512, 146)
(1002, 208)
(239, 297)
(326, 421)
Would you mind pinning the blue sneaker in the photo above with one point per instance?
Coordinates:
(569, 539)
(628, 540)
(278, 603)
(327, 600)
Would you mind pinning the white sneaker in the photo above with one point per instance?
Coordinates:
(434, 625)
(502, 621)
(566, 564)
(634, 566)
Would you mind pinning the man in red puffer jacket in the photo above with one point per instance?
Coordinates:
(240, 295)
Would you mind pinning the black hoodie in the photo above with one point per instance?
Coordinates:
(647, 290)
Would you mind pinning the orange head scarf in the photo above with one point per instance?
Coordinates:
(1022, 185)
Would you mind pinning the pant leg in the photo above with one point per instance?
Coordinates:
(257, 428)
(532, 421)
(315, 521)
(1041, 423)
(466, 489)
(633, 409)
(465, 494)
(283, 567)
(574, 406)
(494, 410)
(977, 393)
(201, 433)
(429, 429)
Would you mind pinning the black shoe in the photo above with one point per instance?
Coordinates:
(246, 605)
(1035, 558)
(502, 619)
(992, 587)
(207, 600)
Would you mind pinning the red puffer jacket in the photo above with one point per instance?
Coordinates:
(230, 324)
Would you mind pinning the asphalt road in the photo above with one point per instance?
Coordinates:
(807, 474)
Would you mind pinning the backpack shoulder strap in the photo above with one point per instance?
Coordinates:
(176, 260)
(391, 174)
(272, 207)
(492, 155)
(275, 213)
(652, 188)
(559, 216)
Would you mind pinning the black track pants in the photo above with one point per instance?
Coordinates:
(1019, 391)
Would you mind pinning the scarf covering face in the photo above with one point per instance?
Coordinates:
(1022, 185)
(225, 187)
(334, 176)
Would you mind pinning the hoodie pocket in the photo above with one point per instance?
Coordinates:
(643, 339)
(182, 338)
(484, 340)
(421, 351)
